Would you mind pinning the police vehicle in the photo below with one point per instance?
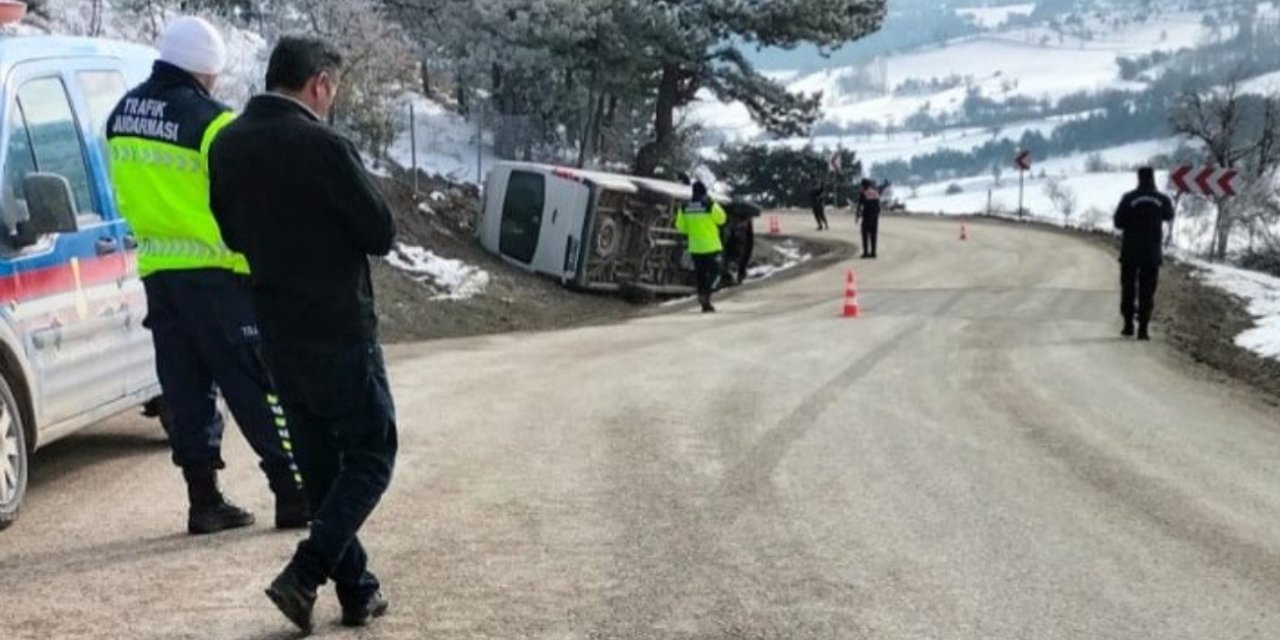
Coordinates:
(73, 350)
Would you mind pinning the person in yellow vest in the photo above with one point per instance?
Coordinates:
(198, 302)
(700, 220)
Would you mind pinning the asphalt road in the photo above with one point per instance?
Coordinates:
(979, 456)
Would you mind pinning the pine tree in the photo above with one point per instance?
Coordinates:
(573, 71)
(698, 45)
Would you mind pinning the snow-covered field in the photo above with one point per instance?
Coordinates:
(1266, 84)
(1099, 191)
(1093, 190)
(1262, 293)
(1035, 63)
(1001, 64)
(879, 148)
(991, 17)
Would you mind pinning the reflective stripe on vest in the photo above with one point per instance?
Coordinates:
(163, 192)
(170, 250)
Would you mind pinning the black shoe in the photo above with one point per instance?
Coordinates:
(210, 512)
(206, 519)
(1128, 329)
(708, 308)
(1143, 334)
(295, 601)
(375, 607)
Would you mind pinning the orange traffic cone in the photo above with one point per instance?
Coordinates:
(775, 227)
(851, 309)
(964, 231)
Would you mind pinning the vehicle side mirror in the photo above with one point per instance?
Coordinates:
(51, 204)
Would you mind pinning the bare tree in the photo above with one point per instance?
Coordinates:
(1063, 199)
(1220, 119)
(379, 68)
(95, 19)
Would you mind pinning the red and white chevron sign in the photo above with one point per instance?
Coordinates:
(1206, 181)
(1022, 161)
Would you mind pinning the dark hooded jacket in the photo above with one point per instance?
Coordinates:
(1141, 216)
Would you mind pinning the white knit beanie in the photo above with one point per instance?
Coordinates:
(194, 45)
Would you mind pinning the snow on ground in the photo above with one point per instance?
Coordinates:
(1101, 190)
(1266, 84)
(991, 17)
(1034, 62)
(792, 256)
(905, 145)
(1262, 294)
(1097, 191)
(1128, 157)
(446, 143)
(448, 279)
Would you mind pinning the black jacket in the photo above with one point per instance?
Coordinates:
(869, 203)
(170, 107)
(817, 196)
(1141, 216)
(293, 196)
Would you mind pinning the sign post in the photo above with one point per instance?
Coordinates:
(1217, 183)
(413, 147)
(1023, 162)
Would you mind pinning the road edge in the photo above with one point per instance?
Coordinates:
(1198, 322)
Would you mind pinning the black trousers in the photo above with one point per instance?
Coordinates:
(743, 258)
(820, 214)
(1138, 284)
(706, 267)
(343, 420)
(206, 339)
(870, 234)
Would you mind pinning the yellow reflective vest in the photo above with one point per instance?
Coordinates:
(159, 138)
(701, 222)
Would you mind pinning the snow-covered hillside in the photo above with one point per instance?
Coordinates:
(1011, 59)
(446, 143)
(1001, 63)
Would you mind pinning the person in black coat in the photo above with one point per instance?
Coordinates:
(293, 195)
(869, 215)
(1141, 217)
(817, 200)
(739, 239)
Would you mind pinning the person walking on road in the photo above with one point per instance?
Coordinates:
(700, 219)
(869, 215)
(818, 200)
(294, 195)
(1141, 217)
(740, 238)
(198, 306)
